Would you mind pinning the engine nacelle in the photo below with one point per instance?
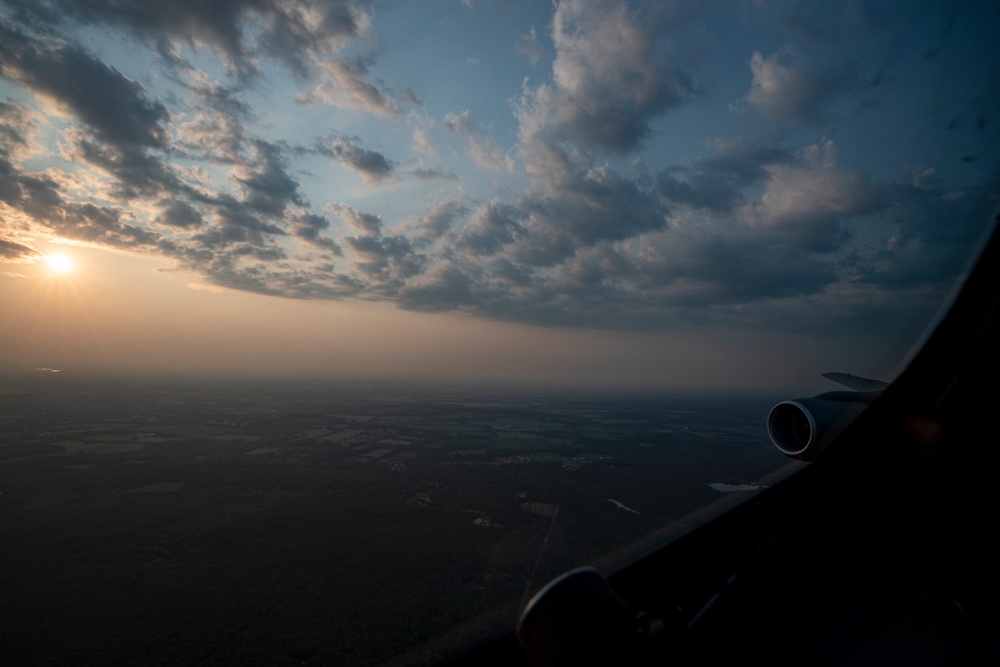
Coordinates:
(802, 428)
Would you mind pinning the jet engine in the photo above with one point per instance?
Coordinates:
(802, 428)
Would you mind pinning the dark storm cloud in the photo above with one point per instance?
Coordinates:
(11, 251)
(372, 166)
(239, 30)
(110, 103)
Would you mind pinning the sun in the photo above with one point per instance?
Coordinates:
(60, 263)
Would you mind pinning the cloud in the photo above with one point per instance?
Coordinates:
(345, 84)
(440, 218)
(372, 166)
(30, 199)
(716, 182)
(179, 214)
(422, 142)
(807, 200)
(385, 264)
(490, 227)
(445, 287)
(611, 76)
(240, 31)
(528, 45)
(368, 224)
(746, 231)
(267, 187)
(137, 173)
(307, 226)
(217, 129)
(73, 81)
(784, 90)
(18, 124)
(481, 148)
(306, 36)
(17, 253)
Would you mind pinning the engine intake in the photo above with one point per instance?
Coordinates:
(802, 428)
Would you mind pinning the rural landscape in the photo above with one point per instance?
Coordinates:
(197, 522)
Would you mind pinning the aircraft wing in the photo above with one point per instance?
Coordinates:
(855, 382)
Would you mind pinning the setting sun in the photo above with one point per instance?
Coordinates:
(60, 263)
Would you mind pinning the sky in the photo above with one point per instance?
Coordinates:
(682, 194)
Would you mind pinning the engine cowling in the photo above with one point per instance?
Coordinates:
(803, 427)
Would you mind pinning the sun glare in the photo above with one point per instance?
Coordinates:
(60, 263)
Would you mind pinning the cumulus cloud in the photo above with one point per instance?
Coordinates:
(716, 183)
(345, 83)
(267, 186)
(18, 124)
(197, 177)
(491, 226)
(385, 264)
(216, 130)
(240, 31)
(307, 226)
(306, 36)
(611, 76)
(481, 148)
(783, 89)
(367, 224)
(807, 199)
(372, 166)
(179, 214)
(438, 220)
(77, 83)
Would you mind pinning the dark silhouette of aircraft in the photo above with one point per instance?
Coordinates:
(880, 551)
